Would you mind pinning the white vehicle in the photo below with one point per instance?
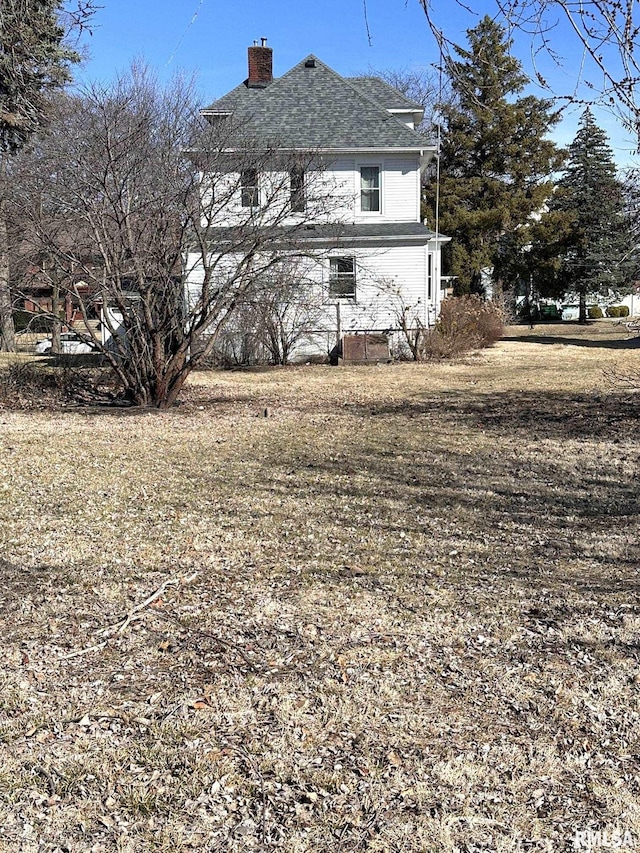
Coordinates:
(70, 344)
(570, 312)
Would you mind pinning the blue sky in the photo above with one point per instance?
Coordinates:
(209, 38)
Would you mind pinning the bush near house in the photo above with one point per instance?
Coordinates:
(466, 323)
(617, 311)
(595, 313)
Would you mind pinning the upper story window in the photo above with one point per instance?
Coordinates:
(298, 201)
(370, 189)
(249, 191)
(342, 278)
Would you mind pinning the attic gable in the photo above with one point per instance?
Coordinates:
(384, 93)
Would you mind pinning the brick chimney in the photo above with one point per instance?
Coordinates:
(260, 65)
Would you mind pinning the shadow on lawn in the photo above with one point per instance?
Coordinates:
(517, 506)
(527, 414)
(23, 589)
(604, 343)
(521, 477)
(492, 488)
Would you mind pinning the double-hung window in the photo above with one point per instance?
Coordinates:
(370, 189)
(342, 278)
(249, 190)
(298, 202)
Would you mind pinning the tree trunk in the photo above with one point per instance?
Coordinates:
(56, 324)
(582, 316)
(170, 392)
(7, 328)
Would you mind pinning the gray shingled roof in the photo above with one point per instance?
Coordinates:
(314, 107)
(338, 234)
(370, 231)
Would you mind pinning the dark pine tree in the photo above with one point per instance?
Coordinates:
(496, 161)
(595, 244)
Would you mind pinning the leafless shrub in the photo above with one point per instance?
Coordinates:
(410, 319)
(412, 335)
(122, 218)
(272, 319)
(466, 323)
(237, 345)
(285, 308)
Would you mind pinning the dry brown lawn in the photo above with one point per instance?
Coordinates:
(397, 613)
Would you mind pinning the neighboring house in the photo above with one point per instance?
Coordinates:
(364, 248)
(632, 300)
(36, 296)
(568, 308)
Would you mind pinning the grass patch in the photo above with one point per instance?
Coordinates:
(404, 614)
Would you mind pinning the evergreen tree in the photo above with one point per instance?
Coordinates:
(496, 161)
(594, 246)
(34, 60)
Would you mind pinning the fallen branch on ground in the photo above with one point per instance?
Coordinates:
(124, 623)
(120, 626)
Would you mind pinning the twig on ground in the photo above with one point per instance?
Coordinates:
(86, 651)
(124, 623)
(120, 626)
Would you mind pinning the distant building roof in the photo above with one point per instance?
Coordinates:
(313, 107)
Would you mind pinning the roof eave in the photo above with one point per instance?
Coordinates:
(352, 240)
(425, 151)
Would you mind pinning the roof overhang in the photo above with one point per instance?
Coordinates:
(216, 114)
(387, 240)
(421, 149)
(338, 235)
(426, 152)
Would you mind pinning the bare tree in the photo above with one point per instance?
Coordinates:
(605, 32)
(133, 194)
(38, 62)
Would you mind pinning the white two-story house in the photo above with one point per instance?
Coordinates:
(349, 174)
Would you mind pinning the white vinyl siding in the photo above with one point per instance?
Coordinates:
(401, 189)
(381, 274)
(334, 193)
(385, 280)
